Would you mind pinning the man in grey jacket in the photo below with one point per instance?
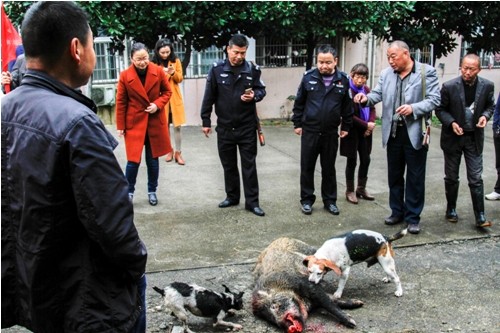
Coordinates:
(406, 102)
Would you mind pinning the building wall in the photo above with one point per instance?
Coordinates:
(282, 83)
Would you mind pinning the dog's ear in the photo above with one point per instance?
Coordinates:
(330, 265)
(305, 262)
(226, 288)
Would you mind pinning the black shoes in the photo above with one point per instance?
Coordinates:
(481, 221)
(307, 209)
(332, 209)
(392, 220)
(153, 200)
(256, 210)
(413, 228)
(451, 215)
(228, 203)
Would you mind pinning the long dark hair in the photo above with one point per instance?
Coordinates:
(157, 59)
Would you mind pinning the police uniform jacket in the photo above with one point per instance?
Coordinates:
(322, 109)
(224, 90)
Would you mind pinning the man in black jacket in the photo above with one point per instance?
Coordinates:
(234, 86)
(72, 260)
(467, 103)
(321, 106)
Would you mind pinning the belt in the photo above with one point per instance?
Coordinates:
(469, 133)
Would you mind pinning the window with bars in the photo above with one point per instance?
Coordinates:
(424, 55)
(275, 52)
(488, 59)
(199, 62)
(107, 68)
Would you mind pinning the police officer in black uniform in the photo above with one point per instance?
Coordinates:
(322, 105)
(234, 86)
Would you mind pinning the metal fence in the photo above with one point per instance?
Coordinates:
(488, 59)
(424, 55)
(269, 52)
(108, 64)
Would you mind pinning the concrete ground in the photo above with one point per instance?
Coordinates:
(450, 272)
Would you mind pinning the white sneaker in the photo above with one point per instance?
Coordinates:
(492, 196)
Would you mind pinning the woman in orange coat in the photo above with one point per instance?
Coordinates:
(165, 57)
(142, 93)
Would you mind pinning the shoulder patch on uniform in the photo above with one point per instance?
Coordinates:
(309, 71)
(218, 63)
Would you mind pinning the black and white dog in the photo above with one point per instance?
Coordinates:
(179, 297)
(340, 253)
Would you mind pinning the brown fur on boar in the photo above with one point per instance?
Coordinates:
(283, 294)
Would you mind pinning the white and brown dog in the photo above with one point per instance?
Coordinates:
(340, 253)
(179, 297)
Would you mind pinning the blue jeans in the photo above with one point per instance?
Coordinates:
(132, 169)
(140, 324)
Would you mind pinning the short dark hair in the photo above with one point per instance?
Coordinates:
(137, 47)
(360, 69)
(238, 40)
(49, 26)
(326, 48)
(161, 44)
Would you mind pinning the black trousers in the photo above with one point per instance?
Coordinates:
(406, 196)
(474, 166)
(325, 146)
(229, 141)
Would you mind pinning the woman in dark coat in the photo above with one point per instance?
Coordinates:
(359, 140)
(142, 93)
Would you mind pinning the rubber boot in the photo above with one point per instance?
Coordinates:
(361, 190)
(349, 192)
(451, 192)
(477, 195)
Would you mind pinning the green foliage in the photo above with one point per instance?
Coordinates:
(201, 24)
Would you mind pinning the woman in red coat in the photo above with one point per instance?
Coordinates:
(142, 93)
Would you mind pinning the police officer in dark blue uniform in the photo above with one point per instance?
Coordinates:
(234, 87)
(322, 105)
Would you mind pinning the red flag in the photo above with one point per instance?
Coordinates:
(10, 40)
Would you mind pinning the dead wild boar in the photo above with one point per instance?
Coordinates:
(283, 294)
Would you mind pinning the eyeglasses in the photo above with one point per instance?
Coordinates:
(359, 76)
(141, 59)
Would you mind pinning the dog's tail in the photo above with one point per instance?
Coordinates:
(160, 291)
(397, 235)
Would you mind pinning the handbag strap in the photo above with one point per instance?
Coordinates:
(425, 119)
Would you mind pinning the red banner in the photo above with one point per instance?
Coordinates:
(10, 40)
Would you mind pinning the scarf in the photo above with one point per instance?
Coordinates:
(364, 112)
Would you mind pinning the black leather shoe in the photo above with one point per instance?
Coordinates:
(451, 215)
(228, 203)
(153, 200)
(332, 209)
(307, 209)
(392, 220)
(481, 221)
(256, 210)
(413, 228)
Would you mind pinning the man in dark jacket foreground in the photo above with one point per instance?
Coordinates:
(72, 260)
